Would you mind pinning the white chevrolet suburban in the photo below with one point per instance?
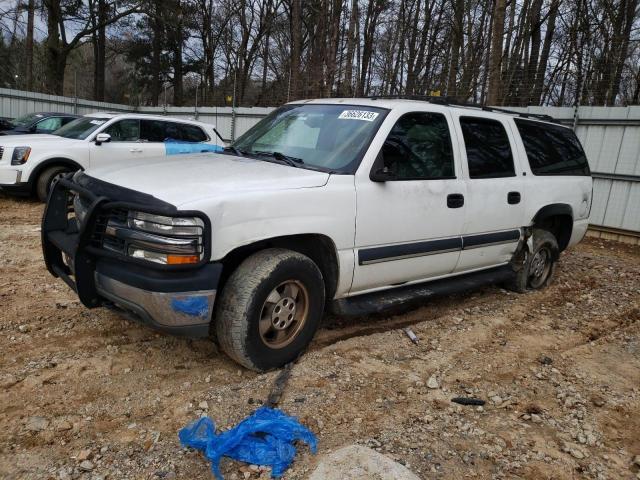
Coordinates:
(29, 163)
(352, 205)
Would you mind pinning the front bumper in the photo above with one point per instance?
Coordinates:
(11, 181)
(179, 301)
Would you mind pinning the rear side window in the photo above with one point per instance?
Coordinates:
(191, 133)
(152, 130)
(551, 149)
(488, 150)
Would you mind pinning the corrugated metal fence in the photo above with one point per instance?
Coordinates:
(610, 136)
(229, 122)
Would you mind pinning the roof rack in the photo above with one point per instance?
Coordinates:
(450, 101)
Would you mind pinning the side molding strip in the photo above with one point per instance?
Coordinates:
(402, 251)
(408, 250)
(487, 239)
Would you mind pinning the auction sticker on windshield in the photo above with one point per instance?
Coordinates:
(358, 115)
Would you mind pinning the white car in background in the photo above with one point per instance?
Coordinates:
(30, 163)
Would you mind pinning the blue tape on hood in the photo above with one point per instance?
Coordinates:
(266, 437)
(194, 306)
(179, 148)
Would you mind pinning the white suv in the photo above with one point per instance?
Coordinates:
(350, 204)
(29, 163)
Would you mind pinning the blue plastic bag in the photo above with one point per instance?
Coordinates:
(264, 438)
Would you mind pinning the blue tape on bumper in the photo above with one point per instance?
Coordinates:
(194, 306)
(180, 148)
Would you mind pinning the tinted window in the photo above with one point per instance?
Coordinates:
(124, 131)
(152, 130)
(551, 149)
(191, 133)
(49, 124)
(488, 150)
(419, 147)
(66, 120)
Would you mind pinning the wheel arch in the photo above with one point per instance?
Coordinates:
(51, 162)
(320, 248)
(557, 218)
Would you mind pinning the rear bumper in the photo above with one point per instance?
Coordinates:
(578, 232)
(176, 301)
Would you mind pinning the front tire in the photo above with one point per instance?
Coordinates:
(270, 308)
(539, 266)
(45, 180)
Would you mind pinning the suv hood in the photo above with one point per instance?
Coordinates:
(182, 179)
(30, 140)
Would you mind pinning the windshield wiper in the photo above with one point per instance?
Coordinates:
(291, 161)
(234, 150)
(230, 148)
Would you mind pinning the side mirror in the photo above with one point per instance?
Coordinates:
(382, 175)
(102, 138)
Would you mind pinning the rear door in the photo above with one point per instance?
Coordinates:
(408, 227)
(495, 203)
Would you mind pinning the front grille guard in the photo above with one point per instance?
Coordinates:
(65, 237)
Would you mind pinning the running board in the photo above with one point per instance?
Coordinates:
(410, 295)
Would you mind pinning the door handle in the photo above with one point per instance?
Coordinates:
(513, 198)
(455, 200)
(135, 150)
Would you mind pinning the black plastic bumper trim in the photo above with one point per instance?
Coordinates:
(205, 278)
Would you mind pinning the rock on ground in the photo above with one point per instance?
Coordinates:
(356, 462)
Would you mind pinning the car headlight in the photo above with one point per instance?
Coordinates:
(157, 238)
(20, 155)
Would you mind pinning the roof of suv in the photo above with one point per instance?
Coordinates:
(392, 102)
(110, 115)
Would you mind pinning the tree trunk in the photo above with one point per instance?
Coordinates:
(544, 56)
(347, 86)
(495, 60)
(29, 45)
(456, 44)
(55, 56)
(100, 59)
(296, 49)
(156, 46)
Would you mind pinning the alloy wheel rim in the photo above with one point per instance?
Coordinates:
(284, 314)
(539, 267)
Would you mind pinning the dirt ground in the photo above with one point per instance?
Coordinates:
(90, 394)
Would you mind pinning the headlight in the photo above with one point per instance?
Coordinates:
(157, 238)
(20, 155)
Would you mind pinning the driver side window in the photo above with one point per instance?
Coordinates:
(124, 131)
(419, 148)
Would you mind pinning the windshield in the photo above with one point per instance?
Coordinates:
(329, 137)
(80, 128)
(26, 120)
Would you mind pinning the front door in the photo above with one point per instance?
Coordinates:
(126, 144)
(408, 227)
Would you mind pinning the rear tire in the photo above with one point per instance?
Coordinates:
(46, 178)
(539, 266)
(270, 309)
